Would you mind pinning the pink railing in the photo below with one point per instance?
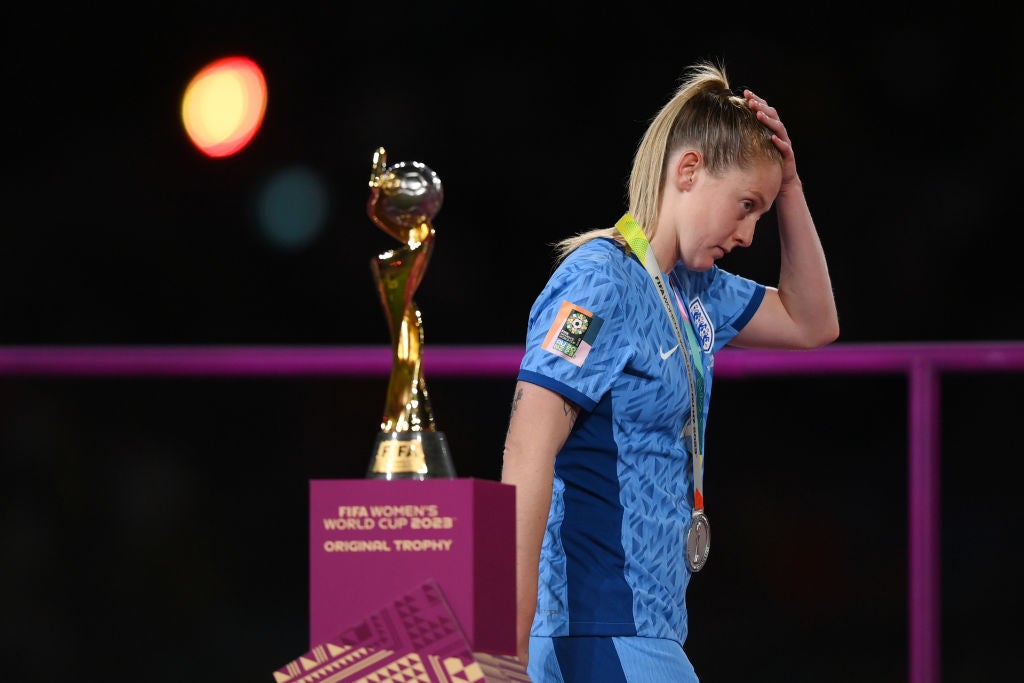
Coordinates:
(922, 363)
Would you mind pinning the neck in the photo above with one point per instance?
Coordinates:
(664, 248)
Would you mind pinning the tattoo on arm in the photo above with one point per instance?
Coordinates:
(518, 397)
(515, 404)
(570, 410)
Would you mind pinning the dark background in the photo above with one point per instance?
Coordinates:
(157, 528)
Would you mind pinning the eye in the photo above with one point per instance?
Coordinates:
(748, 205)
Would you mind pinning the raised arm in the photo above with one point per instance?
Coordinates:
(801, 312)
(538, 427)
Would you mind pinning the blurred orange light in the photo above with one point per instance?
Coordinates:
(223, 105)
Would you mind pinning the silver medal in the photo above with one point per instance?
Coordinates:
(698, 541)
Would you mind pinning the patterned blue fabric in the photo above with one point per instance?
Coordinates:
(608, 659)
(612, 562)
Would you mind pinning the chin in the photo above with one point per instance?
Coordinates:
(701, 265)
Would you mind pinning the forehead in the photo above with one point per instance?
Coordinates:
(762, 178)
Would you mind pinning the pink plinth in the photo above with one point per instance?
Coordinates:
(371, 541)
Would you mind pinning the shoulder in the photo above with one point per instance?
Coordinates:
(598, 249)
(716, 283)
(599, 276)
(601, 254)
(601, 262)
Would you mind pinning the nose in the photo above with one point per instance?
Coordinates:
(744, 234)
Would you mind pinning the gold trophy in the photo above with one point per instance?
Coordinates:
(403, 199)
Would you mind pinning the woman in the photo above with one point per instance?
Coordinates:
(605, 447)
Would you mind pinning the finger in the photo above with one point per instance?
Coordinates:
(768, 117)
(773, 122)
(754, 99)
(760, 105)
(766, 114)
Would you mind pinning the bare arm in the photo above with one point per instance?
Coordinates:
(801, 312)
(538, 427)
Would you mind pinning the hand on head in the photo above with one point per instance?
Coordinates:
(769, 116)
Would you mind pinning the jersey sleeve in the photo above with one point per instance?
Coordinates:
(576, 344)
(726, 300)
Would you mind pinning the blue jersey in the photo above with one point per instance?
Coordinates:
(613, 558)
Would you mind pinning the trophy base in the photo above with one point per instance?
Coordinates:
(411, 455)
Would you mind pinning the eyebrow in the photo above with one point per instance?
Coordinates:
(760, 198)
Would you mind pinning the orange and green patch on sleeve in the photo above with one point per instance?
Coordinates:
(573, 333)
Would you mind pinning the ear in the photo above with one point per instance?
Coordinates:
(685, 169)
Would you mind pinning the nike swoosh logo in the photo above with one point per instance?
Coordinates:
(666, 354)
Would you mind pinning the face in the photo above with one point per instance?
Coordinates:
(722, 212)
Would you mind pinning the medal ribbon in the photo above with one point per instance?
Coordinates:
(695, 354)
(637, 241)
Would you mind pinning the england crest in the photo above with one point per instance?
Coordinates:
(702, 324)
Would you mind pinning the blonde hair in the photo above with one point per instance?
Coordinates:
(704, 115)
